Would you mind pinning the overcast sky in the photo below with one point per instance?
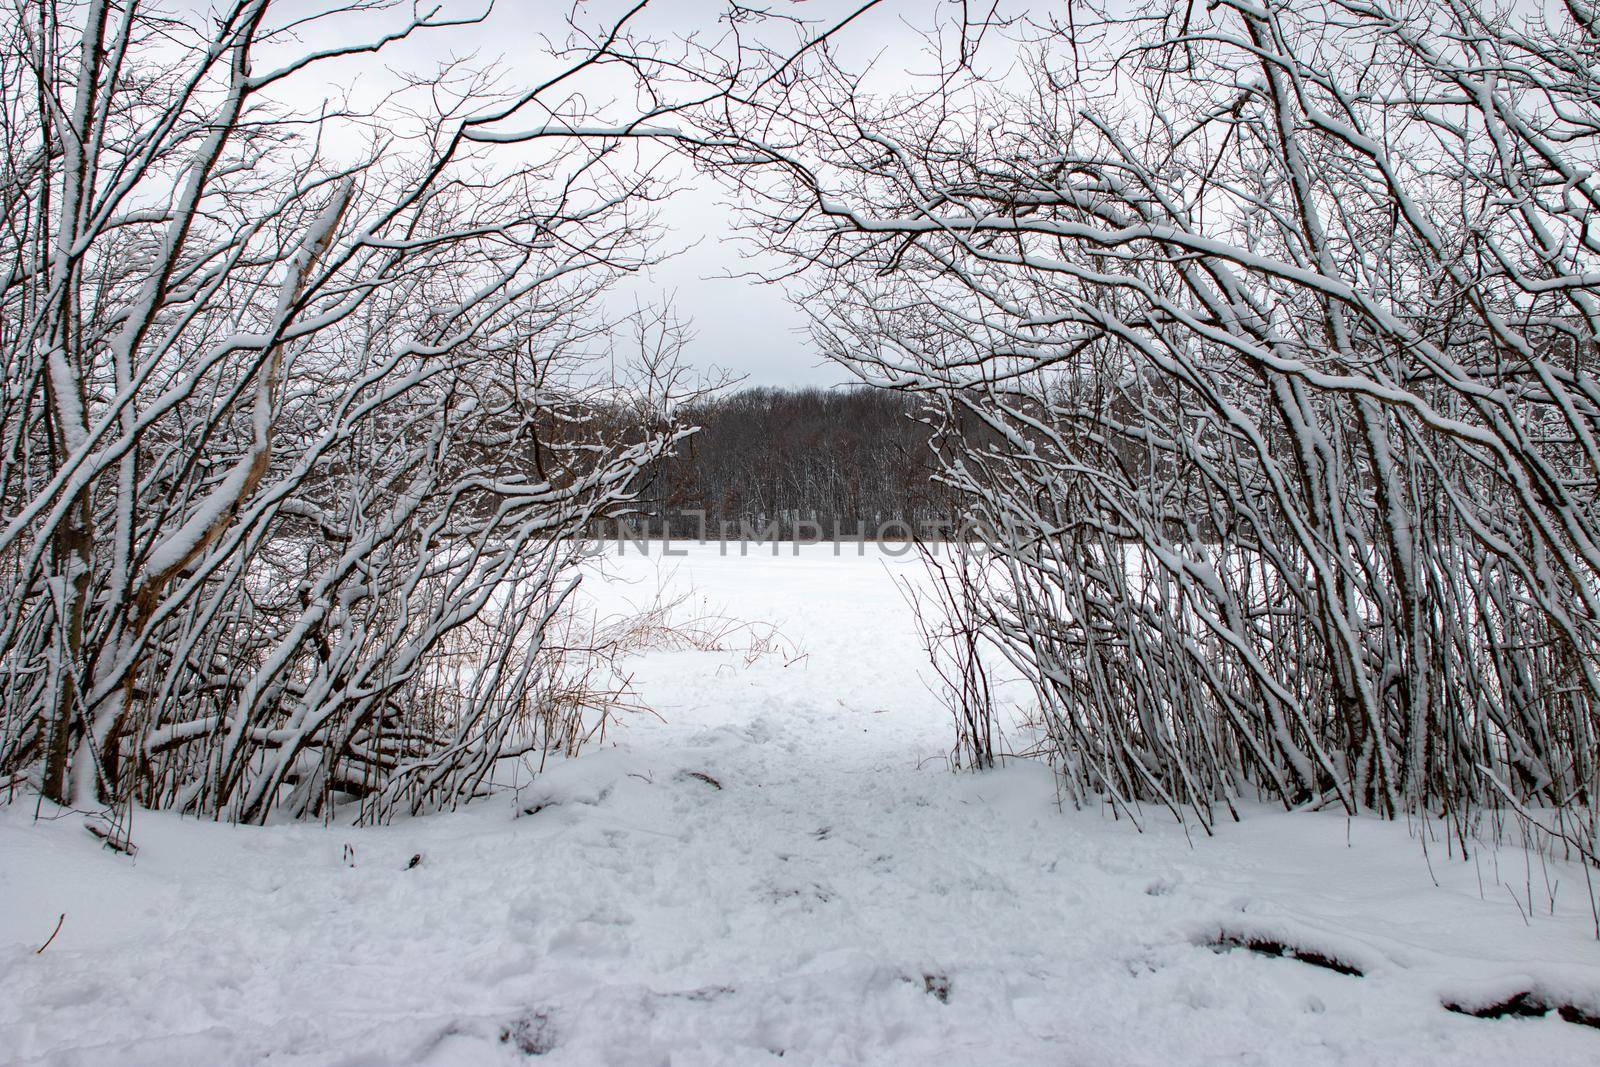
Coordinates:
(739, 325)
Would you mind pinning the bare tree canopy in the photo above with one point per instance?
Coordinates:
(300, 400)
(1281, 321)
(1258, 342)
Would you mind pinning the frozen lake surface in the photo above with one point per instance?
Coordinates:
(780, 869)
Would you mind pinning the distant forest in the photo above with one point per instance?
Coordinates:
(797, 463)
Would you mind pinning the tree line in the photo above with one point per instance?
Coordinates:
(796, 463)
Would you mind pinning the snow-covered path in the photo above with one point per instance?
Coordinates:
(782, 868)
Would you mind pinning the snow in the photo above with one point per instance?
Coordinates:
(833, 895)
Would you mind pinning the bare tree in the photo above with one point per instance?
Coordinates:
(1280, 324)
(300, 404)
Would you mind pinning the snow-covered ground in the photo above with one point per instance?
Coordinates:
(783, 867)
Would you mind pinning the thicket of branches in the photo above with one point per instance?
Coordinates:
(298, 406)
(1282, 321)
(1258, 339)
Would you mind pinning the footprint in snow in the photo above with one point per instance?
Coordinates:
(531, 1034)
(807, 897)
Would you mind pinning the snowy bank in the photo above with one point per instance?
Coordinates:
(782, 868)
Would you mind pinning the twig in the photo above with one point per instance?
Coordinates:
(40, 950)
